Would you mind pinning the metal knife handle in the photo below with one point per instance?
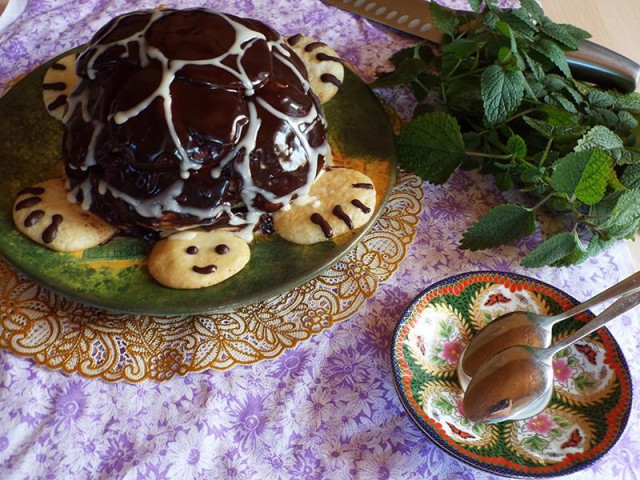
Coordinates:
(591, 63)
(597, 64)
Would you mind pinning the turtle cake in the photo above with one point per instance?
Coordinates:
(185, 125)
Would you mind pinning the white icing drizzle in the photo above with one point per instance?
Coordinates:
(166, 201)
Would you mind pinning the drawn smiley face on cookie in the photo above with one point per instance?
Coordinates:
(197, 259)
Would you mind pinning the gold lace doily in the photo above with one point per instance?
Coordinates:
(62, 334)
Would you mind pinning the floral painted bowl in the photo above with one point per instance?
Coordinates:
(592, 385)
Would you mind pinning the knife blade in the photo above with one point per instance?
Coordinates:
(590, 63)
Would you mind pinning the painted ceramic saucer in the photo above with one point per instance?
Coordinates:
(592, 385)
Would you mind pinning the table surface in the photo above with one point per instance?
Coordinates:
(326, 408)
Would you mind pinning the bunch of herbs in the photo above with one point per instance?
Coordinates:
(498, 95)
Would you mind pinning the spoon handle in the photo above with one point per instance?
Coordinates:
(627, 302)
(628, 285)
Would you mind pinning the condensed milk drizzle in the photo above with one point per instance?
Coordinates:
(248, 129)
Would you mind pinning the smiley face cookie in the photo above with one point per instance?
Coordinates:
(197, 259)
(340, 200)
(44, 214)
(57, 85)
(324, 66)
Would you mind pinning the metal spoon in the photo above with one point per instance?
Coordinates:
(526, 328)
(517, 382)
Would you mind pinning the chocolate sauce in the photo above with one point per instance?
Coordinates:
(358, 204)
(58, 102)
(342, 215)
(31, 190)
(232, 130)
(222, 249)
(332, 79)
(33, 218)
(27, 202)
(312, 46)
(51, 232)
(209, 269)
(293, 39)
(366, 186)
(54, 86)
(323, 57)
(324, 225)
(192, 250)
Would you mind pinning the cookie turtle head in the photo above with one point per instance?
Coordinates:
(197, 259)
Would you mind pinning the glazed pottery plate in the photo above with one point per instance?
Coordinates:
(592, 385)
(114, 276)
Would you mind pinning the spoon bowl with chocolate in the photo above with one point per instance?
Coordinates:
(527, 328)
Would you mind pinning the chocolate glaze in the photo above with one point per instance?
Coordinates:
(27, 202)
(366, 186)
(323, 224)
(31, 190)
(192, 250)
(222, 249)
(310, 47)
(293, 39)
(33, 218)
(332, 79)
(215, 125)
(323, 57)
(209, 269)
(54, 86)
(58, 102)
(358, 204)
(342, 215)
(58, 66)
(51, 232)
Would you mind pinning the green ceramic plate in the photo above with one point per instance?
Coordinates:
(114, 276)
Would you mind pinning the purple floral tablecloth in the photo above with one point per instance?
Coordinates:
(326, 409)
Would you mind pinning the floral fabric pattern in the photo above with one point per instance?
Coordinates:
(326, 409)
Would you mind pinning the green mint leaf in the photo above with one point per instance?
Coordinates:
(550, 129)
(533, 9)
(463, 96)
(603, 138)
(444, 19)
(562, 101)
(552, 250)
(535, 67)
(560, 33)
(520, 22)
(504, 181)
(431, 146)
(629, 156)
(625, 216)
(614, 183)
(601, 99)
(583, 174)
(406, 71)
(629, 102)
(554, 53)
(501, 225)
(517, 146)
(631, 176)
(502, 93)
(576, 32)
(462, 47)
(475, 5)
(627, 120)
